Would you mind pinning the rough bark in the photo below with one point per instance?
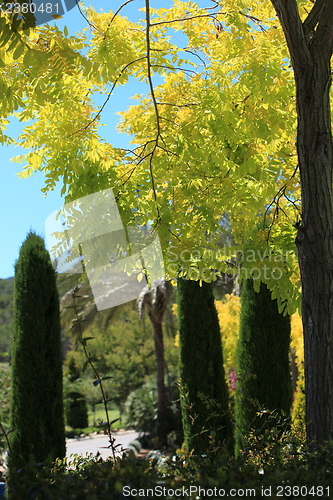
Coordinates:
(310, 47)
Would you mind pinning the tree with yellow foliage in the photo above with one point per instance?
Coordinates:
(228, 311)
(217, 135)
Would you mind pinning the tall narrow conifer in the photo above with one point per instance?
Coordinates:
(204, 389)
(263, 369)
(37, 417)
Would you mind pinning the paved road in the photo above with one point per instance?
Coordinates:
(93, 443)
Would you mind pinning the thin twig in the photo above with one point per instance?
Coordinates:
(173, 68)
(117, 12)
(178, 105)
(195, 54)
(85, 18)
(6, 437)
(252, 18)
(188, 18)
(174, 235)
(108, 97)
(130, 175)
(276, 200)
(152, 92)
(78, 321)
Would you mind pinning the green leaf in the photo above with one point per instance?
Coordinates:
(14, 43)
(88, 338)
(85, 365)
(27, 60)
(18, 51)
(5, 36)
(115, 420)
(256, 285)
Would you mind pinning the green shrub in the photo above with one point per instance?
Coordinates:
(76, 410)
(141, 411)
(4, 393)
(283, 469)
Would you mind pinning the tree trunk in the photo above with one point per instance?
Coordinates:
(310, 47)
(314, 242)
(161, 405)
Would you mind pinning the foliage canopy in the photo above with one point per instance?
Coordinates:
(214, 135)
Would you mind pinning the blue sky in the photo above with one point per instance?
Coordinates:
(24, 207)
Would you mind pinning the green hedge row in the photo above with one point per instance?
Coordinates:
(276, 466)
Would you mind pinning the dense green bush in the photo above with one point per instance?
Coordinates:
(6, 318)
(141, 411)
(284, 468)
(4, 393)
(76, 410)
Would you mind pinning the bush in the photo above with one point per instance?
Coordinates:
(5, 393)
(141, 412)
(76, 410)
(284, 468)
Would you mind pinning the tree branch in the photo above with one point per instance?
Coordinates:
(316, 29)
(313, 18)
(84, 17)
(108, 97)
(287, 12)
(117, 12)
(180, 20)
(323, 34)
(152, 92)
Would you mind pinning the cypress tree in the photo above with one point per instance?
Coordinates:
(263, 370)
(204, 392)
(37, 415)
